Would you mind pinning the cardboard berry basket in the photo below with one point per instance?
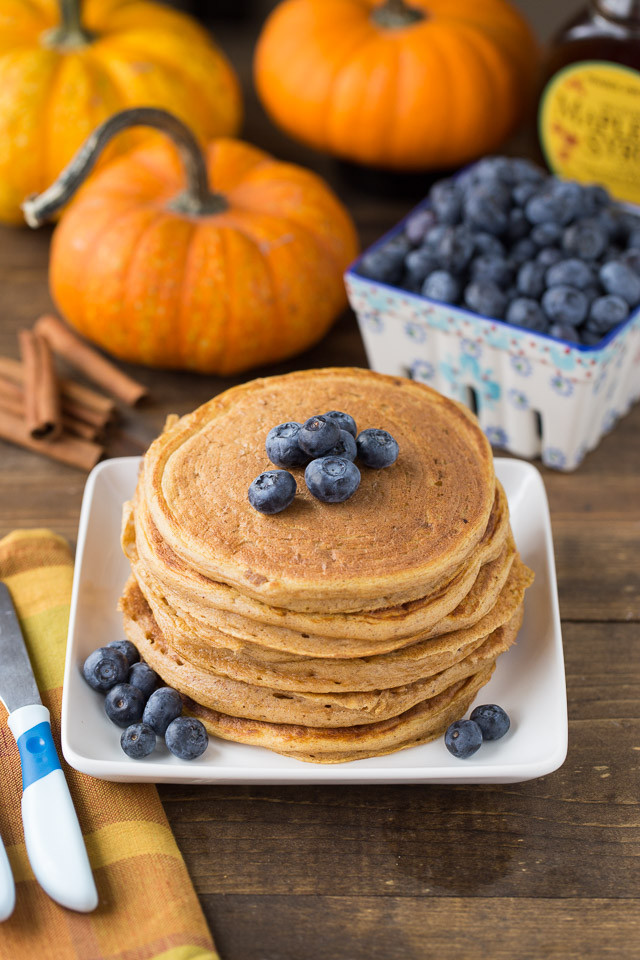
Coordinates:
(534, 395)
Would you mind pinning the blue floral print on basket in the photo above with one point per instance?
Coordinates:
(373, 322)
(496, 436)
(422, 370)
(522, 365)
(471, 348)
(519, 399)
(562, 385)
(415, 332)
(563, 358)
(553, 457)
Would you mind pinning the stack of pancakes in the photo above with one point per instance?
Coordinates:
(328, 632)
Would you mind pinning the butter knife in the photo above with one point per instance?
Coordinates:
(54, 841)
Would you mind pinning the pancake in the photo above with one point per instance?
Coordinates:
(426, 721)
(265, 667)
(219, 606)
(253, 702)
(407, 529)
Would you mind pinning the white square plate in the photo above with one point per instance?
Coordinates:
(528, 681)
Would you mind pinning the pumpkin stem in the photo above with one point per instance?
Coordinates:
(396, 13)
(69, 34)
(196, 200)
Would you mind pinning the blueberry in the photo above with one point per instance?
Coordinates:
(531, 279)
(377, 448)
(417, 224)
(571, 272)
(525, 171)
(487, 209)
(613, 252)
(564, 332)
(332, 479)
(518, 226)
(485, 298)
(549, 256)
(463, 738)
(105, 667)
(163, 706)
(124, 704)
(488, 243)
(441, 285)
(633, 239)
(527, 313)
(138, 741)
(434, 236)
(492, 720)
(606, 313)
(455, 249)
(418, 263)
(272, 491)
(585, 239)
(446, 201)
(589, 338)
(144, 678)
(631, 258)
(611, 219)
(546, 234)
(497, 270)
(522, 251)
(619, 279)
(318, 435)
(523, 192)
(345, 447)
(556, 201)
(187, 738)
(282, 445)
(344, 421)
(566, 305)
(594, 198)
(385, 263)
(127, 648)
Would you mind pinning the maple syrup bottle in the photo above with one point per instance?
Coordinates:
(589, 111)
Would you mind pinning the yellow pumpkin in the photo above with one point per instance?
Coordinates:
(401, 85)
(214, 262)
(61, 74)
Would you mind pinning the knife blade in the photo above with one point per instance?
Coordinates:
(54, 841)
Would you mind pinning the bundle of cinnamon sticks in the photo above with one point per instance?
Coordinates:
(54, 416)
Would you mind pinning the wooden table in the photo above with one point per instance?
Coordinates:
(539, 870)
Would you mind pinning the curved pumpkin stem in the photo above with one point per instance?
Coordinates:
(396, 13)
(69, 34)
(196, 200)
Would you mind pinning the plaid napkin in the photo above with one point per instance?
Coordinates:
(148, 909)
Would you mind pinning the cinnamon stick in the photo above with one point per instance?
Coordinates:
(89, 361)
(69, 450)
(12, 400)
(42, 408)
(72, 393)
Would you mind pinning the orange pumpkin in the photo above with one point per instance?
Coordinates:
(400, 85)
(60, 78)
(242, 268)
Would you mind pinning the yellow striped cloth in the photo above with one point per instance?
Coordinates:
(148, 909)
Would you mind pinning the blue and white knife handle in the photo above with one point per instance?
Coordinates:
(7, 886)
(54, 841)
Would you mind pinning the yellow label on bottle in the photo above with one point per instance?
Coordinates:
(590, 126)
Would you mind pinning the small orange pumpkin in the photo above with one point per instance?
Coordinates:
(60, 76)
(401, 85)
(242, 268)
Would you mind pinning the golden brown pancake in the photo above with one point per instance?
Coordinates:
(426, 721)
(329, 709)
(406, 529)
(289, 671)
(470, 594)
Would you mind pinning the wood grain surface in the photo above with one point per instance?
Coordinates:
(545, 869)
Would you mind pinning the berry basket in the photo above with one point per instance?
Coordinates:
(534, 395)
